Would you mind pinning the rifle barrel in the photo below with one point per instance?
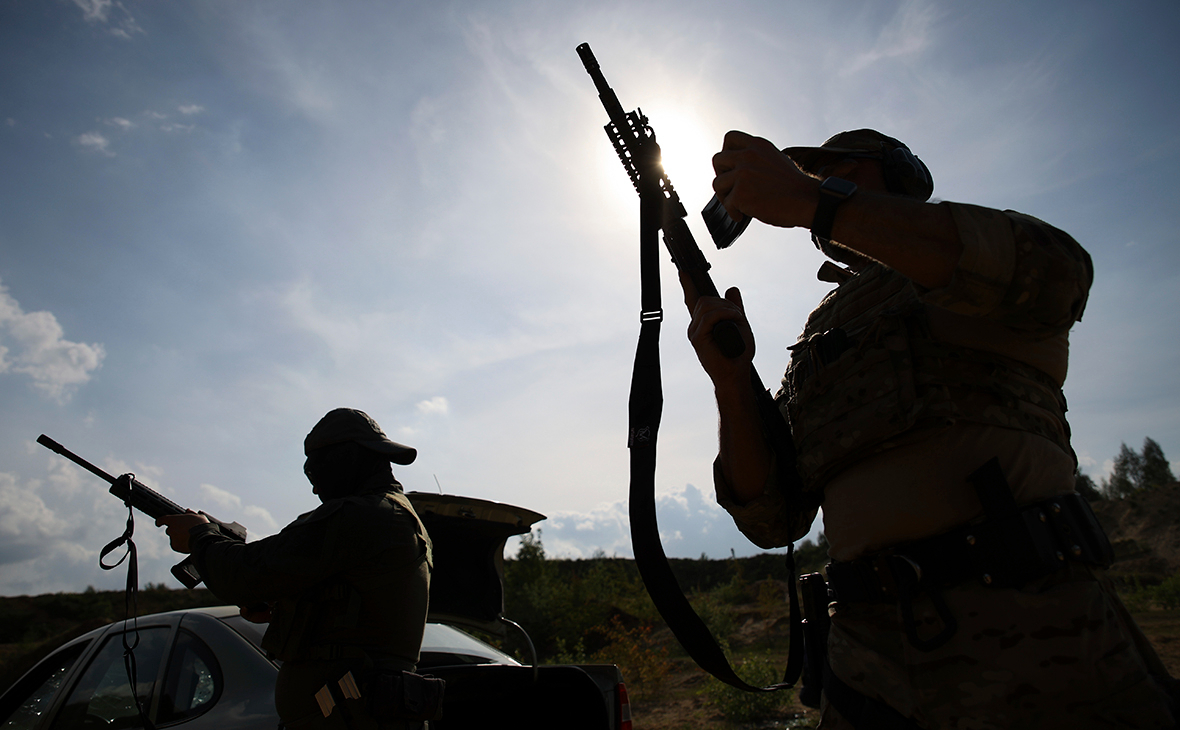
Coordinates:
(55, 446)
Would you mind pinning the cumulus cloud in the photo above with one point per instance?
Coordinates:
(189, 109)
(690, 521)
(32, 344)
(121, 123)
(437, 404)
(26, 523)
(51, 532)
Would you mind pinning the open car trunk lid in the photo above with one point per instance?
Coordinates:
(468, 534)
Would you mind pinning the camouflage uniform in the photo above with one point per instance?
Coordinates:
(349, 583)
(895, 394)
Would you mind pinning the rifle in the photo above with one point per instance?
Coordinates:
(635, 142)
(660, 209)
(135, 493)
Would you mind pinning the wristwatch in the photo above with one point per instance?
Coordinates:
(832, 192)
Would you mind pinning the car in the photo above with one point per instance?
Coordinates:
(204, 669)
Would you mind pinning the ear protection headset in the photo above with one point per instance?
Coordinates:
(904, 173)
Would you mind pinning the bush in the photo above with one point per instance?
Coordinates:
(1167, 594)
(642, 660)
(740, 706)
(1164, 596)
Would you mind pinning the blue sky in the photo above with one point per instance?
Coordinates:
(219, 220)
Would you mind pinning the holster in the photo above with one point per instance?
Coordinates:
(405, 696)
(816, 625)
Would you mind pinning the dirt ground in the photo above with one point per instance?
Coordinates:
(1162, 629)
(680, 702)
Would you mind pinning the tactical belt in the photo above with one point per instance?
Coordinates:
(1009, 548)
(1060, 530)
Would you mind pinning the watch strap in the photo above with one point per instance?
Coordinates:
(832, 192)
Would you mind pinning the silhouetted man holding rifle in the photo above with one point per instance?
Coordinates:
(346, 586)
(926, 417)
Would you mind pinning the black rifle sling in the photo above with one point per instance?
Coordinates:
(644, 408)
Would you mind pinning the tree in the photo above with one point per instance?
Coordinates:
(1127, 475)
(1134, 472)
(1085, 487)
(1156, 471)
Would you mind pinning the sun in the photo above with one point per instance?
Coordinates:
(687, 146)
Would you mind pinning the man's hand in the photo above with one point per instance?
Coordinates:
(178, 527)
(753, 178)
(706, 313)
(258, 613)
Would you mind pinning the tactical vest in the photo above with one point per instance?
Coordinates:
(867, 375)
(376, 615)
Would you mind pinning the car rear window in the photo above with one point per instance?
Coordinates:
(251, 631)
(442, 644)
(103, 696)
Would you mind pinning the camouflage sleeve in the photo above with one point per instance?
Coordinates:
(1017, 270)
(767, 521)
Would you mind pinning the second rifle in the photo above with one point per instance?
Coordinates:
(135, 493)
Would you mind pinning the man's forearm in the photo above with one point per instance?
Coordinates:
(744, 457)
(918, 240)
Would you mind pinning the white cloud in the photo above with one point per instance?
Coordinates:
(94, 11)
(220, 497)
(121, 123)
(95, 142)
(259, 517)
(99, 11)
(691, 523)
(189, 109)
(906, 34)
(259, 521)
(51, 532)
(437, 404)
(37, 349)
(26, 523)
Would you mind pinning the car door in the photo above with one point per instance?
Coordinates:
(103, 695)
(191, 670)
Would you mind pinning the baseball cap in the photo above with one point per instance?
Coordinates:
(348, 424)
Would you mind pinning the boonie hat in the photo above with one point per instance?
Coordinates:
(840, 146)
(348, 424)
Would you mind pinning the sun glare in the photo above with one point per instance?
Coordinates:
(687, 147)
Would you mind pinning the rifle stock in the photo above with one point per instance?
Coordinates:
(135, 493)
